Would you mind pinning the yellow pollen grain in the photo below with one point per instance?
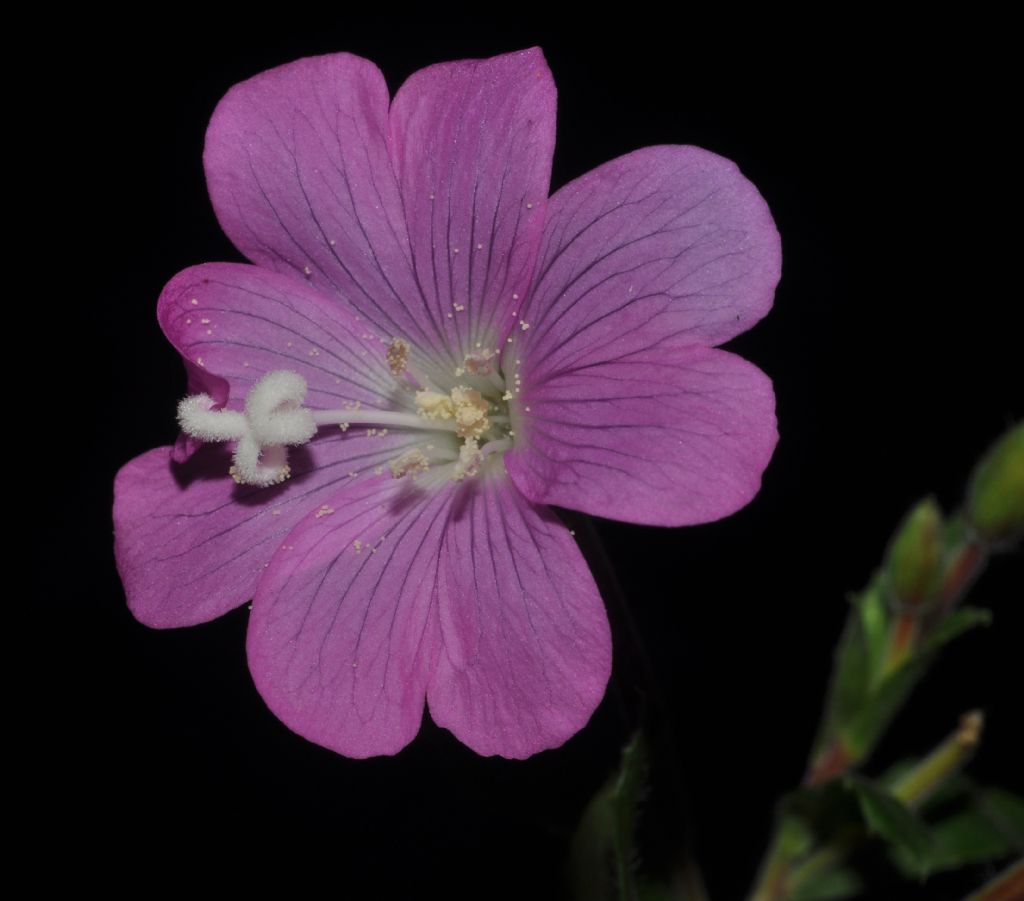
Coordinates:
(470, 412)
(411, 463)
(306, 271)
(324, 510)
(398, 356)
(205, 321)
(434, 405)
(194, 302)
(469, 460)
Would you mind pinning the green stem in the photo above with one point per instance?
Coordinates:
(773, 882)
(823, 860)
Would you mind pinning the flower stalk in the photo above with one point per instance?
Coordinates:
(894, 630)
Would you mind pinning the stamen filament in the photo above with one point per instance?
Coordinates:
(496, 380)
(493, 447)
(383, 417)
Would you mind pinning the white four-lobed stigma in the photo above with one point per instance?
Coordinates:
(274, 419)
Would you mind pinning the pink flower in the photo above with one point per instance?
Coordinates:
(426, 353)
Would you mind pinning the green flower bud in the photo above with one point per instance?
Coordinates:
(995, 498)
(915, 555)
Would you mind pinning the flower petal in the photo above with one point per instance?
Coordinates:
(191, 544)
(299, 174)
(662, 437)
(667, 246)
(472, 143)
(234, 323)
(526, 646)
(343, 634)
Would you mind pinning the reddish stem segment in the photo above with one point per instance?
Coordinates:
(829, 764)
(962, 572)
(1007, 886)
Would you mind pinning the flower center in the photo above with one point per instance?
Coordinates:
(465, 428)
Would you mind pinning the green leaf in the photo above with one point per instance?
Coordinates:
(988, 831)
(603, 854)
(953, 626)
(867, 724)
(851, 670)
(949, 793)
(1005, 811)
(887, 817)
(833, 885)
(856, 657)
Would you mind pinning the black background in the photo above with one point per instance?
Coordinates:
(884, 154)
